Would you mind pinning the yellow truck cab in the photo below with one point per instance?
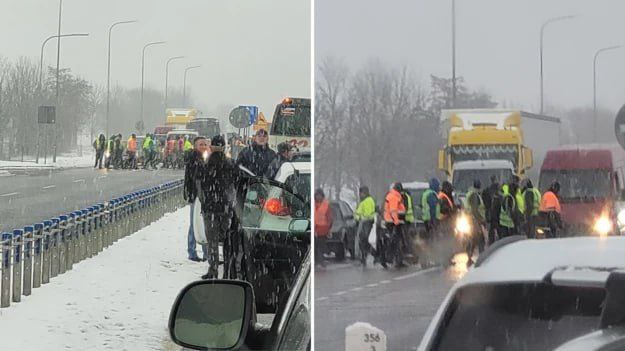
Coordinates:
(485, 141)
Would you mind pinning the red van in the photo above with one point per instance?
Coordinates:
(591, 186)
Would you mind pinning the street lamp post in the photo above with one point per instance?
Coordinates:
(58, 60)
(167, 74)
(140, 126)
(453, 53)
(108, 72)
(43, 45)
(184, 84)
(542, 33)
(594, 86)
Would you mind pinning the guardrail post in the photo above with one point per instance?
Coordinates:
(28, 260)
(18, 234)
(37, 254)
(78, 236)
(71, 241)
(88, 215)
(106, 224)
(100, 227)
(63, 244)
(96, 230)
(54, 247)
(5, 287)
(116, 219)
(45, 267)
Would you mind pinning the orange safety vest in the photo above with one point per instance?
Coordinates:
(550, 202)
(171, 146)
(323, 218)
(132, 145)
(443, 196)
(393, 206)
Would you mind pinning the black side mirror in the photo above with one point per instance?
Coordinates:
(212, 315)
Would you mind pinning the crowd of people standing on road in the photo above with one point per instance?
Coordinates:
(495, 212)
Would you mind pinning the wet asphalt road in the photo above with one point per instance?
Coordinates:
(34, 195)
(400, 302)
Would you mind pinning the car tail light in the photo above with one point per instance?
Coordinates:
(277, 207)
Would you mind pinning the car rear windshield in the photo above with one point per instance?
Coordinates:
(518, 316)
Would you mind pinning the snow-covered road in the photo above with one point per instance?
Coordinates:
(118, 300)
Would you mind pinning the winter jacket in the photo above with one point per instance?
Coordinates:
(323, 218)
(256, 158)
(274, 166)
(217, 181)
(393, 207)
(432, 200)
(365, 210)
(191, 176)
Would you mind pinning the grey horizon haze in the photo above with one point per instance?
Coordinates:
(251, 52)
(497, 45)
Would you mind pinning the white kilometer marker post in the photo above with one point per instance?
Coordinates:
(363, 336)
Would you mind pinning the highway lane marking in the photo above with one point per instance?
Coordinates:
(49, 187)
(340, 293)
(385, 282)
(417, 273)
(356, 289)
(9, 194)
(372, 285)
(103, 176)
(78, 180)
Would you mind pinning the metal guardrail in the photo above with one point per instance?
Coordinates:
(33, 255)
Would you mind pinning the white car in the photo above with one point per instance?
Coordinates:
(564, 294)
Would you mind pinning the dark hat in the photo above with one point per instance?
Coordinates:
(284, 147)
(218, 140)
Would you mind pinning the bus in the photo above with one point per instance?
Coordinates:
(206, 127)
(592, 181)
(291, 123)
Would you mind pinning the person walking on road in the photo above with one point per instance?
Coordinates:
(507, 214)
(285, 154)
(550, 209)
(191, 178)
(257, 157)
(110, 151)
(323, 224)
(148, 146)
(431, 209)
(492, 202)
(119, 152)
(532, 199)
(99, 145)
(365, 216)
(218, 181)
(394, 209)
(131, 150)
(476, 209)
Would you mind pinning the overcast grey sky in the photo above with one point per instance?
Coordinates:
(251, 52)
(497, 44)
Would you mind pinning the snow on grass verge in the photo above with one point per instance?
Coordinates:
(118, 300)
(62, 161)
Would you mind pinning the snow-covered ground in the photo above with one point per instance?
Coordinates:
(118, 300)
(72, 160)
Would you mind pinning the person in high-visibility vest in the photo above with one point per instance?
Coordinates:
(187, 144)
(323, 224)
(109, 153)
(474, 205)
(148, 145)
(394, 209)
(550, 209)
(531, 199)
(507, 221)
(365, 216)
(131, 151)
(431, 209)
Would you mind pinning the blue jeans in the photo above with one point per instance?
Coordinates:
(191, 238)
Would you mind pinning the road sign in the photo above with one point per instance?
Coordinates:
(240, 117)
(253, 113)
(46, 115)
(364, 336)
(619, 127)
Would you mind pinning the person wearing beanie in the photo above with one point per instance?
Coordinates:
(285, 154)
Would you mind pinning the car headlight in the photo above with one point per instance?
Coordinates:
(463, 226)
(107, 154)
(603, 226)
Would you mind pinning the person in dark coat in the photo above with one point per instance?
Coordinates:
(217, 187)
(492, 203)
(285, 154)
(99, 145)
(258, 156)
(194, 162)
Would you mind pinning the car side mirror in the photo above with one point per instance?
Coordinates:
(212, 315)
(299, 225)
